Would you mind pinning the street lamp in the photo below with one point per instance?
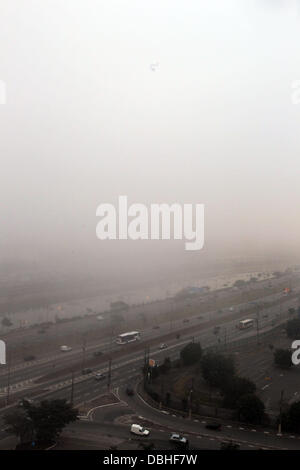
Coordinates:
(257, 320)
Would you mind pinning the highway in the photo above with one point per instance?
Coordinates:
(127, 368)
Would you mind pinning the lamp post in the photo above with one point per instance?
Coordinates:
(257, 320)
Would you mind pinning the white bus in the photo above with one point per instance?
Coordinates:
(125, 338)
(246, 324)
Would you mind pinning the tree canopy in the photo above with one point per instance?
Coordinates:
(282, 358)
(43, 422)
(250, 409)
(191, 353)
(217, 369)
(234, 389)
(293, 328)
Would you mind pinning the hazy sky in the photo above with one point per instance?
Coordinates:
(87, 120)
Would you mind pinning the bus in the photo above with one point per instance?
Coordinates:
(125, 338)
(243, 324)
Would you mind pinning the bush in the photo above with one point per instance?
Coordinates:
(166, 366)
(235, 389)
(282, 358)
(291, 418)
(217, 370)
(250, 409)
(6, 322)
(191, 353)
(293, 328)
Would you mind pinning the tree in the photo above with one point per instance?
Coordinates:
(282, 358)
(6, 322)
(50, 417)
(239, 283)
(235, 389)
(250, 409)
(291, 311)
(217, 370)
(191, 353)
(19, 424)
(293, 328)
(291, 418)
(166, 366)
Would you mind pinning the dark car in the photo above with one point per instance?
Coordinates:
(98, 353)
(29, 358)
(86, 371)
(186, 320)
(130, 391)
(25, 401)
(214, 425)
(156, 327)
(99, 376)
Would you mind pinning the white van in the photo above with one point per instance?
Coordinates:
(139, 430)
(65, 348)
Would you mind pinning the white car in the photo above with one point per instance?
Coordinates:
(139, 430)
(163, 346)
(178, 438)
(65, 348)
(100, 318)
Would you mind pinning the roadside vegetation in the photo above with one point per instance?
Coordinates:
(38, 426)
(282, 358)
(204, 378)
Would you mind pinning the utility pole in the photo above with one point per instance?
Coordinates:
(257, 320)
(109, 374)
(146, 363)
(257, 327)
(191, 399)
(72, 388)
(280, 412)
(83, 353)
(162, 391)
(8, 380)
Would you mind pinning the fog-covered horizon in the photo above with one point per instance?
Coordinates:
(88, 118)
